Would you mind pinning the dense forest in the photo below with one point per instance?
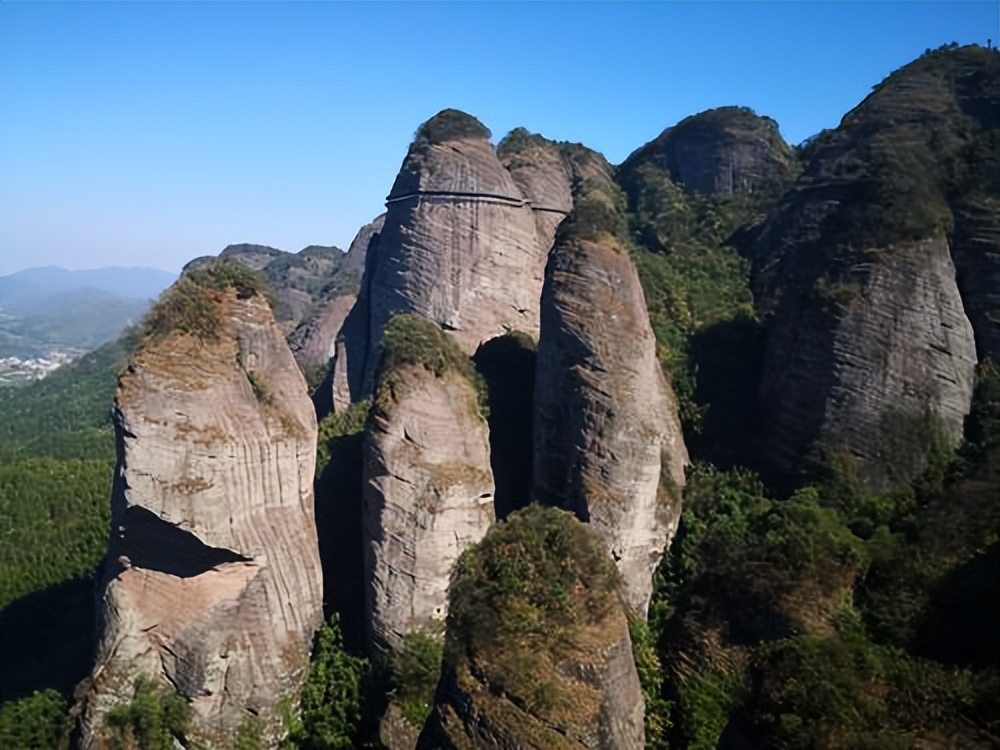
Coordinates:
(793, 610)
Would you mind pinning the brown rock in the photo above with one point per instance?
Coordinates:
(428, 487)
(212, 581)
(460, 247)
(608, 443)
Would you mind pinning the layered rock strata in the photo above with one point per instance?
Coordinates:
(871, 269)
(976, 251)
(313, 342)
(608, 443)
(525, 668)
(728, 150)
(212, 584)
(876, 364)
(428, 491)
(460, 247)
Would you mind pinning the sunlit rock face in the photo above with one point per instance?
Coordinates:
(608, 442)
(428, 495)
(212, 582)
(462, 246)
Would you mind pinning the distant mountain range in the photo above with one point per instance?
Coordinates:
(51, 309)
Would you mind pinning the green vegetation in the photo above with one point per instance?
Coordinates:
(51, 534)
(526, 594)
(261, 386)
(189, 307)
(411, 340)
(66, 414)
(152, 721)
(448, 125)
(37, 722)
(415, 667)
(835, 618)
(330, 714)
(693, 282)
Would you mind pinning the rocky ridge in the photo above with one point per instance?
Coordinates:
(428, 487)
(608, 443)
(212, 581)
(460, 247)
(727, 150)
(869, 348)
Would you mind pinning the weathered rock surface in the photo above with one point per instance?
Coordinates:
(313, 342)
(870, 351)
(976, 251)
(566, 682)
(351, 343)
(544, 177)
(871, 363)
(608, 443)
(212, 583)
(724, 150)
(428, 494)
(460, 247)
(310, 288)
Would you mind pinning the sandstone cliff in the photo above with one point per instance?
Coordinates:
(460, 247)
(608, 443)
(428, 488)
(725, 150)
(870, 353)
(211, 584)
(537, 652)
(976, 250)
(878, 363)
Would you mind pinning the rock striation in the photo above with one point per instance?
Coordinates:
(428, 487)
(313, 341)
(462, 246)
(212, 584)
(608, 443)
(525, 667)
(976, 251)
(869, 352)
(875, 365)
(729, 150)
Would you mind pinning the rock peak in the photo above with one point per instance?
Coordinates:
(451, 125)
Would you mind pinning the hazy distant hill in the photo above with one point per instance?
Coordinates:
(43, 310)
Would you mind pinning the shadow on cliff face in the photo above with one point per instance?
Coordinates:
(508, 365)
(728, 357)
(46, 640)
(962, 625)
(338, 522)
(151, 543)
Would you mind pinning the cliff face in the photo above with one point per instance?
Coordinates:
(525, 668)
(462, 246)
(608, 444)
(313, 342)
(428, 487)
(976, 251)
(874, 363)
(869, 351)
(211, 584)
(724, 150)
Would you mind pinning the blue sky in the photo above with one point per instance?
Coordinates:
(147, 133)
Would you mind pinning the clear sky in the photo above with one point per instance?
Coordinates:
(148, 133)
